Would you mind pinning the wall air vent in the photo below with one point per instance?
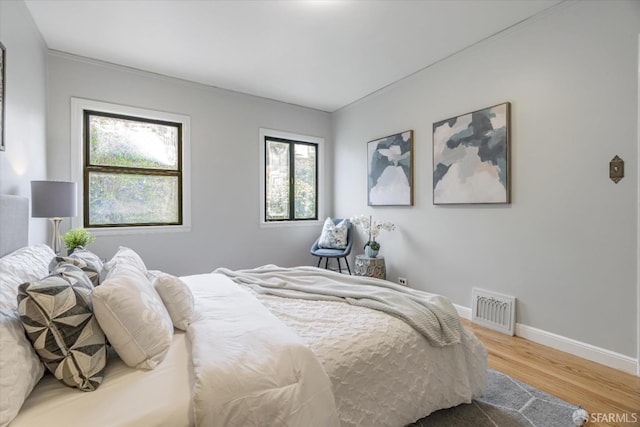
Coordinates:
(493, 310)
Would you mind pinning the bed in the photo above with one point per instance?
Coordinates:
(250, 357)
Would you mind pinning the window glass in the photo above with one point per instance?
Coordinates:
(132, 143)
(132, 171)
(291, 175)
(305, 181)
(277, 180)
(122, 198)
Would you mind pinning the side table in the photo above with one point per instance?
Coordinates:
(371, 267)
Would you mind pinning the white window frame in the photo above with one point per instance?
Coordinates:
(320, 188)
(78, 107)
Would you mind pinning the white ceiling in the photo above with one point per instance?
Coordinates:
(318, 54)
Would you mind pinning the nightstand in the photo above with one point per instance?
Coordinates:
(371, 267)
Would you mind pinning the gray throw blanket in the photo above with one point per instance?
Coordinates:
(432, 315)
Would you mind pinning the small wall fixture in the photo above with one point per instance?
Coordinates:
(616, 169)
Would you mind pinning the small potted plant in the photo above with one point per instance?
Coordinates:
(75, 238)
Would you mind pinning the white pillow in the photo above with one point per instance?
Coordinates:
(125, 256)
(20, 366)
(176, 296)
(24, 265)
(334, 236)
(133, 318)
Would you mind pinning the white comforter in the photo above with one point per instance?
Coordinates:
(382, 372)
(250, 369)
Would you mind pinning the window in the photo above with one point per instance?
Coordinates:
(291, 171)
(132, 167)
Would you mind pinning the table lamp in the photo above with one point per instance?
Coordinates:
(54, 200)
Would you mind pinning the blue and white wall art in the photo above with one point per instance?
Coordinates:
(471, 157)
(390, 170)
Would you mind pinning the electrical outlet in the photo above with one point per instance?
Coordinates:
(403, 281)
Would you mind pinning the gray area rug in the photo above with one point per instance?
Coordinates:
(507, 403)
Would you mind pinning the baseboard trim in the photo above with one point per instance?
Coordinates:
(577, 348)
(464, 312)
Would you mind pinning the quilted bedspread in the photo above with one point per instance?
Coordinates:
(432, 315)
(384, 373)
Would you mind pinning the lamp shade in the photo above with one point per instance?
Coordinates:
(54, 199)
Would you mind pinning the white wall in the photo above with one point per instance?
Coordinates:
(224, 164)
(25, 116)
(566, 246)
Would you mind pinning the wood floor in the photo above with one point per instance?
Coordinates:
(606, 393)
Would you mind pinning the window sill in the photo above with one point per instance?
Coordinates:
(121, 231)
(281, 224)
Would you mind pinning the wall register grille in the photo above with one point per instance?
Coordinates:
(493, 310)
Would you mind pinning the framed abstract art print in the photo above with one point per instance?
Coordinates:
(390, 170)
(471, 157)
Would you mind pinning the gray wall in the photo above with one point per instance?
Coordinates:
(224, 164)
(566, 246)
(26, 105)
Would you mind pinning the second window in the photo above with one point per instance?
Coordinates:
(291, 180)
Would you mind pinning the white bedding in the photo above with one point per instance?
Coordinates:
(383, 373)
(430, 314)
(251, 369)
(126, 398)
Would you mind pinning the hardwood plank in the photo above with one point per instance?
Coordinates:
(606, 393)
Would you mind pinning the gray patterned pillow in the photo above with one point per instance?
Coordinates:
(86, 260)
(57, 315)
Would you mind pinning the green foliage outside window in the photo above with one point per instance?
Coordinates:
(132, 171)
(132, 199)
(305, 182)
(285, 158)
(130, 143)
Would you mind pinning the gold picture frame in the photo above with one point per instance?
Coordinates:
(471, 157)
(390, 170)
